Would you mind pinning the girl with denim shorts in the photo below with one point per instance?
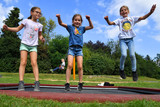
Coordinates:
(29, 42)
(126, 36)
(75, 46)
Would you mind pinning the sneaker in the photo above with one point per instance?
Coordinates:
(80, 87)
(51, 70)
(67, 87)
(135, 76)
(36, 86)
(122, 74)
(21, 86)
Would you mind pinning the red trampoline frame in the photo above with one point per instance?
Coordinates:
(81, 97)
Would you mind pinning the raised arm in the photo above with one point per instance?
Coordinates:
(13, 29)
(109, 22)
(90, 23)
(60, 21)
(147, 15)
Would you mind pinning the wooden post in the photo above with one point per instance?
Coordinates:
(74, 68)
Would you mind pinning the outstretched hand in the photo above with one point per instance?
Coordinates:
(153, 8)
(106, 17)
(87, 17)
(5, 27)
(58, 15)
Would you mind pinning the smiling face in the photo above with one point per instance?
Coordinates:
(36, 14)
(77, 21)
(124, 11)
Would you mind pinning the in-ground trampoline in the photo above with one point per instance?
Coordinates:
(88, 94)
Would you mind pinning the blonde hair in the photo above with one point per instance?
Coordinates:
(124, 7)
(32, 10)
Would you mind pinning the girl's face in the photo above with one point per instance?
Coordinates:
(36, 14)
(77, 21)
(124, 12)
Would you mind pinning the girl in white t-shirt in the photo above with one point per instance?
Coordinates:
(29, 42)
(126, 36)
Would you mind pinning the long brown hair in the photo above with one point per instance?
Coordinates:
(32, 10)
(77, 15)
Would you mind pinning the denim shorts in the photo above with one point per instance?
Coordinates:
(75, 51)
(28, 48)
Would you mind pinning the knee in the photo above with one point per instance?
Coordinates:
(69, 66)
(80, 68)
(132, 56)
(23, 63)
(34, 63)
(123, 56)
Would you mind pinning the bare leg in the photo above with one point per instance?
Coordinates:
(22, 64)
(69, 68)
(80, 67)
(33, 56)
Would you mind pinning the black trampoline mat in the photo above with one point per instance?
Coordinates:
(88, 90)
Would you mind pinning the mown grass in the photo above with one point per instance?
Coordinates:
(9, 101)
(88, 80)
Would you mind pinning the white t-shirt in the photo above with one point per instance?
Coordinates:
(126, 26)
(30, 34)
(63, 65)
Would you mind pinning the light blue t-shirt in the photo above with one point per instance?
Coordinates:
(30, 34)
(76, 35)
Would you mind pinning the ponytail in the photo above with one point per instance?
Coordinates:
(30, 17)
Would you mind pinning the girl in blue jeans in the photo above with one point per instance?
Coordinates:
(126, 36)
(75, 46)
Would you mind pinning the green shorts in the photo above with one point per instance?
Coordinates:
(28, 48)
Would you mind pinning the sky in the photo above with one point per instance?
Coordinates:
(147, 40)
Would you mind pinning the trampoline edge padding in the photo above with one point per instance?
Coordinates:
(77, 97)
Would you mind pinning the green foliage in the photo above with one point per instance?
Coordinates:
(57, 50)
(44, 61)
(99, 61)
(12, 21)
(48, 27)
(9, 44)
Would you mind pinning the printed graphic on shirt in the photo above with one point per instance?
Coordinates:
(32, 31)
(126, 25)
(76, 31)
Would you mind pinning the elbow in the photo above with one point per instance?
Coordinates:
(92, 27)
(109, 24)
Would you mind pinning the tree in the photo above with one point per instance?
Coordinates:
(12, 21)
(48, 27)
(57, 49)
(9, 44)
(43, 55)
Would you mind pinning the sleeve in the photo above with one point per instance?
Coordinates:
(41, 27)
(83, 29)
(69, 28)
(116, 21)
(24, 22)
(135, 18)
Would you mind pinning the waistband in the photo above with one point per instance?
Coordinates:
(76, 46)
(126, 38)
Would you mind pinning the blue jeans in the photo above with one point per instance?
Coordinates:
(55, 68)
(124, 43)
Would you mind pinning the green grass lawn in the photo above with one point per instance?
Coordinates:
(94, 80)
